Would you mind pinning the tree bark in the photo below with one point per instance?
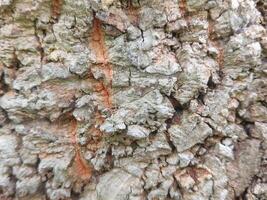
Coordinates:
(133, 99)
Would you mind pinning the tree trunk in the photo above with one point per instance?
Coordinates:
(133, 99)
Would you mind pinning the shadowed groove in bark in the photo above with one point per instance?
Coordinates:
(178, 112)
(262, 7)
(40, 48)
(215, 43)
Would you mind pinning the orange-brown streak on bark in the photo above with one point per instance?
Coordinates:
(133, 13)
(98, 117)
(102, 87)
(183, 8)
(98, 42)
(56, 8)
(73, 131)
(95, 143)
(99, 47)
(80, 167)
(216, 44)
(197, 173)
(106, 96)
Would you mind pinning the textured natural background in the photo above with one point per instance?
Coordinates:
(133, 100)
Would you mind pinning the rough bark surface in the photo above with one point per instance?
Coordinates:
(133, 100)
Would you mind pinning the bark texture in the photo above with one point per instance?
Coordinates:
(133, 100)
